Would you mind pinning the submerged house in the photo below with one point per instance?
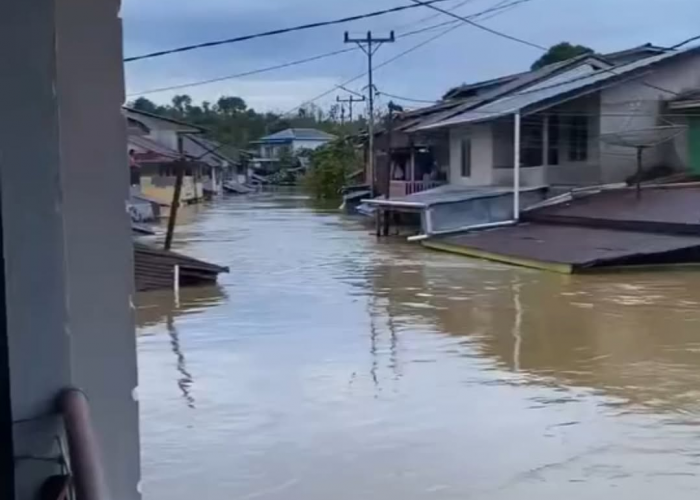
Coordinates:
(155, 146)
(545, 130)
(156, 143)
(271, 148)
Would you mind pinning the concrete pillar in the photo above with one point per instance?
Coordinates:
(67, 242)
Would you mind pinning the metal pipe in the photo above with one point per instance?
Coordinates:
(464, 229)
(85, 458)
(516, 169)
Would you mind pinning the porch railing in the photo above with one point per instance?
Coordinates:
(399, 189)
(85, 460)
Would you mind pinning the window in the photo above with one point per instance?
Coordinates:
(466, 148)
(553, 149)
(578, 138)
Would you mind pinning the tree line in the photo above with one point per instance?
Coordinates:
(231, 121)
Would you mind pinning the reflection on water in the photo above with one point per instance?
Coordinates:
(330, 365)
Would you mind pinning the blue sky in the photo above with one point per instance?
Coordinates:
(465, 54)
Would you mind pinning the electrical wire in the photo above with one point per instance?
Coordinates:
(494, 11)
(409, 99)
(479, 26)
(685, 42)
(302, 27)
(197, 83)
(532, 44)
(241, 75)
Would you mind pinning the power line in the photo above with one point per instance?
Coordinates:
(531, 44)
(477, 25)
(685, 42)
(409, 99)
(241, 75)
(302, 27)
(493, 10)
(498, 7)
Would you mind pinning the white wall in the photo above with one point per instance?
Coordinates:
(299, 145)
(577, 173)
(619, 163)
(481, 155)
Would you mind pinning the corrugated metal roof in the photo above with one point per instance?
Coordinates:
(545, 92)
(576, 66)
(152, 147)
(298, 134)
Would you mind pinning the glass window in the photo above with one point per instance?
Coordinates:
(466, 158)
(553, 149)
(578, 138)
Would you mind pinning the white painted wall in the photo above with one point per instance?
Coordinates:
(577, 173)
(481, 155)
(299, 145)
(619, 163)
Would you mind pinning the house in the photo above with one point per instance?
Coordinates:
(688, 104)
(156, 143)
(219, 163)
(270, 149)
(426, 144)
(558, 127)
(155, 146)
(551, 128)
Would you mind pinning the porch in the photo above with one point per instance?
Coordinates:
(415, 169)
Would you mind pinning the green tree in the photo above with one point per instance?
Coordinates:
(143, 104)
(330, 168)
(182, 103)
(231, 105)
(561, 52)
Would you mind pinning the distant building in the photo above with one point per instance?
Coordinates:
(271, 148)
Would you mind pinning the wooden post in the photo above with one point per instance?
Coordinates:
(387, 219)
(180, 166)
(378, 221)
(179, 175)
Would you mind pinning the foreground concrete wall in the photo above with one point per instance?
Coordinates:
(67, 242)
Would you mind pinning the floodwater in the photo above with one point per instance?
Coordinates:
(328, 365)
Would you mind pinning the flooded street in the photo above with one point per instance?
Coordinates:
(328, 365)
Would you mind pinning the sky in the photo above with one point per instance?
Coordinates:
(465, 54)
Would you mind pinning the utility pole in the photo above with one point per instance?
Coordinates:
(351, 100)
(369, 46)
(180, 166)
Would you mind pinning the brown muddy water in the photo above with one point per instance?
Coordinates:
(329, 365)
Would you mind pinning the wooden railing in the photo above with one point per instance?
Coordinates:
(399, 189)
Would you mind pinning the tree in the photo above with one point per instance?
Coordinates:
(330, 168)
(561, 52)
(182, 103)
(231, 105)
(143, 104)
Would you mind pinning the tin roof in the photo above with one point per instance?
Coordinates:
(296, 134)
(576, 246)
(556, 89)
